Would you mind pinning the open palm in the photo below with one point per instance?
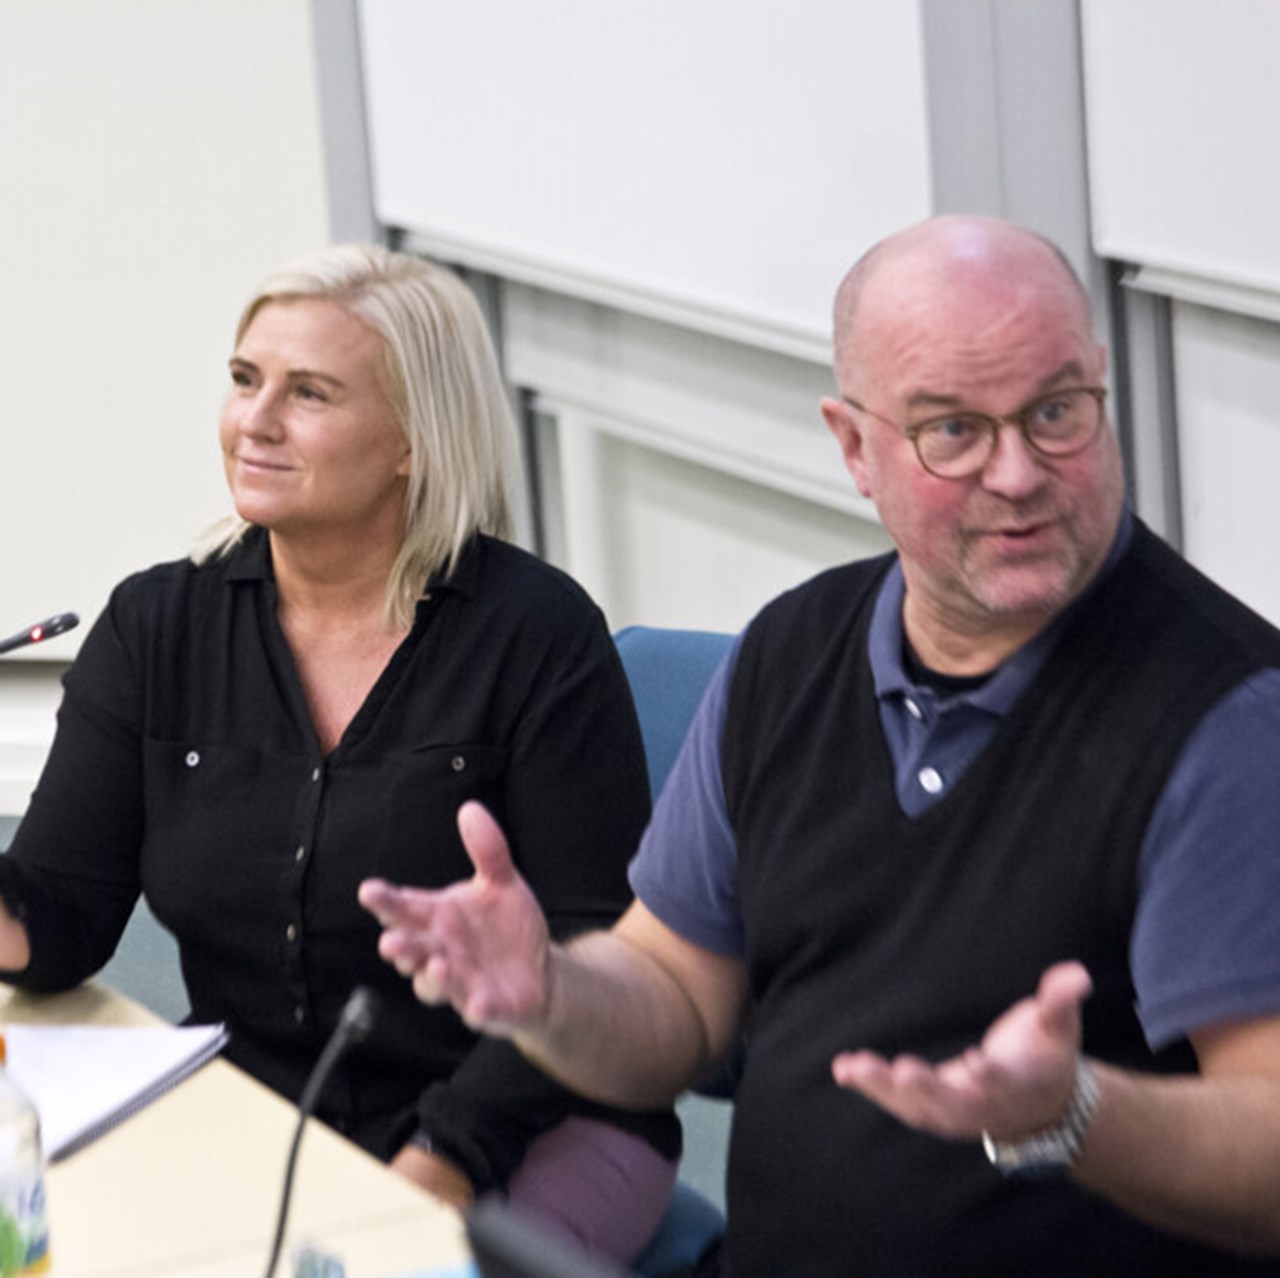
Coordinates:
(1018, 1080)
(480, 945)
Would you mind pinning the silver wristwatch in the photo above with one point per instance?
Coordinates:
(1054, 1151)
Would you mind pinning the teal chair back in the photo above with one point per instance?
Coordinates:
(668, 671)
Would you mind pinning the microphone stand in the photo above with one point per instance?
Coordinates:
(353, 1026)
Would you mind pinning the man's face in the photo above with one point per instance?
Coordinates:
(990, 558)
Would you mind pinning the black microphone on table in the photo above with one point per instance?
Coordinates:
(42, 630)
(354, 1024)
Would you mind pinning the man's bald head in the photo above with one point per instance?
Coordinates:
(950, 252)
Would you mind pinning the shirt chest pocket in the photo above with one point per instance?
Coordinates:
(420, 843)
(217, 818)
(199, 789)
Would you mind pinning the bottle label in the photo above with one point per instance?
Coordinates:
(24, 1227)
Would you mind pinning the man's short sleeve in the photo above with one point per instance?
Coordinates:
(686, 869)
(1206, 943)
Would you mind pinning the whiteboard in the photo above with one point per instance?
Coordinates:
(1183, 112)
(717, 163)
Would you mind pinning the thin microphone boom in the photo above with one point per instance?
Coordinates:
(41, 631)
(354, 1024)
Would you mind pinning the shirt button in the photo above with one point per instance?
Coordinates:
(315, 775)
(458, 763)
(291, 932)
(193, 758)
(299, 1015)
(913, 709)
(300, 853)
(930, 779)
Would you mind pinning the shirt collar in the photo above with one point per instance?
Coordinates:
(250, 560)
(1011, 678)
(466, 574)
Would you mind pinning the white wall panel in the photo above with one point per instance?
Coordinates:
(667, 543)
(1183, 108)
(1228, 385)
(718, 165)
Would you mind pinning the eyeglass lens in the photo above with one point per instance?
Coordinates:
(1056, 424)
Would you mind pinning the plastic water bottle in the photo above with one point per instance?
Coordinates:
(24, 1228)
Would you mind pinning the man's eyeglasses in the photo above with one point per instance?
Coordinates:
(957, 445)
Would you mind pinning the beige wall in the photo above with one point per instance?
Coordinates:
(158, 157)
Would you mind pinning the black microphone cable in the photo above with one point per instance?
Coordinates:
(354, 1024)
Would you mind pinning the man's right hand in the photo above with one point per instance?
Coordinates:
(628, 1016)
(480, 945)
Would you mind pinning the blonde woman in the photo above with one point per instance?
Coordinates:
(307, 700)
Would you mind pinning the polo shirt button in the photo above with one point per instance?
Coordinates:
(299, 1015)
(193, 758)
(458, 763)
(291, 932)
(300, 853)
(315, 775)
(913, 709)
(930, 779)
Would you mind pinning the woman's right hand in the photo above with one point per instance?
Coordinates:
(435, 1174)
(15, 948)
(480, 945)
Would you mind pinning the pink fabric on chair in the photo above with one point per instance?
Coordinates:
(604, 1187)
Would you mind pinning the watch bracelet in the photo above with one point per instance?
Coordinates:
(1047, 1146)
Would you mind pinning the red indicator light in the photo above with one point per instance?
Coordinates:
(37, 633)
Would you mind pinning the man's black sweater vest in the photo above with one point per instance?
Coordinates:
(866, 928)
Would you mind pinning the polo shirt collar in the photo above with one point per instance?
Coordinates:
(998, 694)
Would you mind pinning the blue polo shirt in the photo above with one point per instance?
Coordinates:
(1206, 939)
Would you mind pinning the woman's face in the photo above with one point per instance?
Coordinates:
(309, 443)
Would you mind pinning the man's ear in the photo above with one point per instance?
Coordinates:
(844, 426)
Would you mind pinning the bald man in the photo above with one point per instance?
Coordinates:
(976, 842)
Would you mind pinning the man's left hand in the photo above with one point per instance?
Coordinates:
(1016, 1082)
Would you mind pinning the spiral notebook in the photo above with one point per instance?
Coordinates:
(86, 1079)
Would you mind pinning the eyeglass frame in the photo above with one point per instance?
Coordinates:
(1017, 418)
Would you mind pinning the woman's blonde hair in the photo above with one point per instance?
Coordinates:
(440, 375)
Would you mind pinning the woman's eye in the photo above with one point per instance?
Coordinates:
(313, 393)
